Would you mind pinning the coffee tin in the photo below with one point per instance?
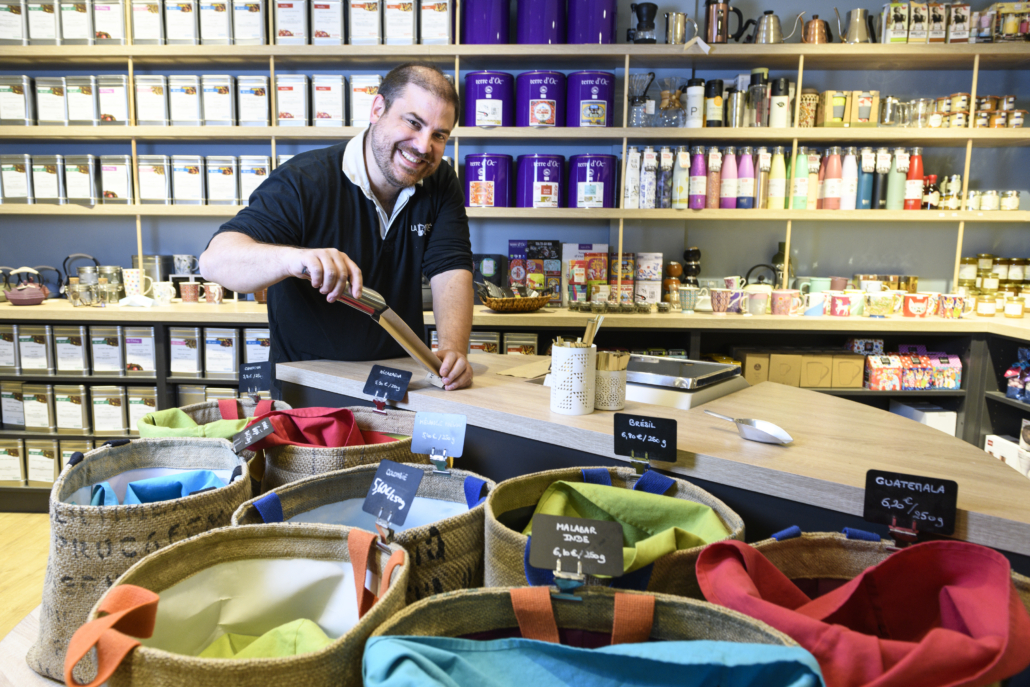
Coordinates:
(591, 21)
(484, 342)
(327, 24)
(328, 99)
(291, 22)
(151, 100)
(488, 180)
(218, 393)
(257, 345)
(1015, 118)
(48, 179)
(142, 400)
(42, 463)
(291, 100)
(155, 179)
(248, 22)
(215, 22)
(70, 350)
(254, 169)
(188, 394)
(592, 181)
(14, 27)
(221, 353)
(16, 179)
(184, 103)
(539, 181)
(148, 25)
(116, 179)
(51, 101)
(365, 21)
(71, 408)
(36, 349)
(12, 463)
(109, 413)
(520, 344)
(187, 180)
(44, 22)
(114, 99)
(400, 22)
(489, 99)
(17, 106)
(252, 92)
(109, 22)
(218, 103)
(76, 23)
(540, 22)
(540, 99)
(12, 406)
(38, 404)
(9, 350)
(107, 350)
(222, 180)
(591, 99)
(982, 119)
(81, 180)
(281, 160)
(83, 100)
(363, 90)
(184, 352)
(181, 25)
(435, 23)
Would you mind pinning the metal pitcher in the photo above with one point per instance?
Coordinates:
(816, 31)
(767, 29)
(676, 27)
(861, 28)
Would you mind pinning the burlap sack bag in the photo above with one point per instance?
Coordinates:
(285, 464)
(445, 555)
(149, 628)
(212, 411)
(510, 506)
(90, 546)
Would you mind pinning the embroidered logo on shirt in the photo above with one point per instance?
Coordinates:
(422, 229)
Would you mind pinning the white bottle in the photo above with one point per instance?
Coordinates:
(631, 197)
(681, 179)
(779, 104)
(695, 104)
(849, 177)
(648, 179)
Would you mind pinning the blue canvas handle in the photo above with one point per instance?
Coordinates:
(789, 533)
(270, 508)
(473, 487)
(654, 483)
(861, 535)
(536, 577)
(597, 476)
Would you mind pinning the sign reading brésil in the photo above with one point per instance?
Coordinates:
(636, 435)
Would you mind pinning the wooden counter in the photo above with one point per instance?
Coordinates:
(835, 441)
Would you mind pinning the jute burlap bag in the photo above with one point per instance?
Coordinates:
(505, 547)
(209, 411)
(445, 555)
(90, 546)
(219, 599)
(285, 464)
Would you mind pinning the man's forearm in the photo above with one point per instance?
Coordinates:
(241, 264)
(452, 308)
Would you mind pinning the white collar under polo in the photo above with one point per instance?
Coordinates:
(354, 168)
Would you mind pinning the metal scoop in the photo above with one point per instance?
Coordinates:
(757, 430)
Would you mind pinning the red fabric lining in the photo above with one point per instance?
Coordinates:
(316, 428)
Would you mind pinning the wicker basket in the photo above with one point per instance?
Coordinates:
(517, 304)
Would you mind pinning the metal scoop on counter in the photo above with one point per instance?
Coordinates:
(757, 430)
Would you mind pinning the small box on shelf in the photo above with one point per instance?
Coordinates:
(927, 414)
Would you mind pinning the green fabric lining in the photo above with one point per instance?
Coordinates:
(292, 639)
(175, 423)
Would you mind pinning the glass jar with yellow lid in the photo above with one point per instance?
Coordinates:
(967, 268)
(985, 261)
(1019, 270)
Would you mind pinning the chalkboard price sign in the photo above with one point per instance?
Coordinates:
(436, 432)
(392, 491)
(251, 435)
(386, 382)
(926, 504)
(597, 544)
(636, 435)
(255, 377)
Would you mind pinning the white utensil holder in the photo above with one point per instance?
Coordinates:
(572, 380)
(610, 390)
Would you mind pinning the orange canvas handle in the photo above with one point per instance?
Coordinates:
(634, 616)
(533, 610)
(130, 610)
(359, 546)
(396, 559)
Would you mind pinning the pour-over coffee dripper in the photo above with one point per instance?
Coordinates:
(638, 85)
(645, 31)
(672, 114)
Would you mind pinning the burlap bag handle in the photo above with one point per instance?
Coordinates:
(229, 408)
(632, 622)
(131, 612)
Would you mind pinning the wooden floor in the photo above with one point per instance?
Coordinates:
(24, 542)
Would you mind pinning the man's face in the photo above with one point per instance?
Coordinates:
(408, 140)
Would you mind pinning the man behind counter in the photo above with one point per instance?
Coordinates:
(379, 210)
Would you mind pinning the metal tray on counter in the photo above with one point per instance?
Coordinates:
(677, 373)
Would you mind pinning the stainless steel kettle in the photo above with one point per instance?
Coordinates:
(768, 30)
(861, 28)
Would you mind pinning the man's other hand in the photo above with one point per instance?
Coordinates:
(455, 371)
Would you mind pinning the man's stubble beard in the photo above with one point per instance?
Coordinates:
(382, 152)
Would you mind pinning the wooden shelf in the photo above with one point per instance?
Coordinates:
(19, 434)
(177, 133)
(1002, 398)
(861, 393)
(71, 379)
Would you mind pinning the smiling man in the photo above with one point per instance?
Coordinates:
(380, 210)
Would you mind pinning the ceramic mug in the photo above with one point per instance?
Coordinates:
(756, 303)
(952, 306)
(185, 264)
(881, 303)
(213, 293)
(899, 302)
(689, 296)
(814, 304)
(786, 302)
(919, 304)
(802, 284)
(734, 282)
(738, 302)
(840, 305)
(857, 302)
(871, 285)
(190, 291)
(840, 283)
(164, 291)
(721, 300)
(132, 285)
(819, 284)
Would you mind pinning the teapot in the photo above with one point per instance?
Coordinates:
(27, 291)
(816, 31)
(861, 28)
(767, 29)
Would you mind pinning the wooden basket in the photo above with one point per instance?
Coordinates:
(517, 304)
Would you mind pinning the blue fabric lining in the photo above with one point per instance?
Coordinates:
(270, 508)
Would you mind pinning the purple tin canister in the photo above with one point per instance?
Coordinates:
(592, 181)
(540, 99)
(489, 99)
(484, 22)
(488, 181)
(591, 99)
(539, 180)
(591, 21)
(540, 22)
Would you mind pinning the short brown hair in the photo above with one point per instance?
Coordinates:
(423, 75)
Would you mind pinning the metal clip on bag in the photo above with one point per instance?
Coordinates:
(90, 546)
(149, 628)
(443, 531)
(333, 439)
(511, 505)
(934, 614)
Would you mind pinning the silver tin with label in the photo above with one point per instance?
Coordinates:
(187, 180)
(109, 21)
(142, 401)
(107, 351)
(16, 179)
(116, 179)
(140, 354)
(254, 169)
(184, 104)
(77, 22)
(188, 394)
(44, 22)
(327, 24)
(363, 90)
(38, 402)
(291, 100)
(400, 23)
(181, 24)
(82, 180)
(485, 342)
(281, 160)
(12, 463)
(114, 99)
(223, 180)
(151, 100)
(14, 23)
(221, 353)
(110, 416)
(36, 349)
(291, 22)
(17, 104)
(215, 22)
(148, 22)
(435, 22)
(365, 23)
(219, 393)
(42, 462)
(70, 447)
(252, 99)
(71, 409)
(12, 408)
(9, 364)
(257, 343)
(248, 22)
(71, 354)
(155, 179)
(329, 100)
(51, 101)
(83, 100)
(219, 99)
(185, 352)
(48, 179)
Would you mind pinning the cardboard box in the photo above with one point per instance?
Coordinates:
(1003, 447)
(573, 252)
(927, 414)
(1022, 462)
(938, 19)
(916, 372)
(959, 16)
(755, 364)
(647, 291)
(785, 368)
(816, 371)
(894, 27)
(864, 109)
(918, 22)
(848, 371)
(883, 373)
(516, 263)
(947, 370)
(865, 346)
(833, 109)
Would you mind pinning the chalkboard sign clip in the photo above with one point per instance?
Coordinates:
(438, 457)
(380, 403)
(385, 533)
(566, 583)
(641, 466)
(903, 536)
